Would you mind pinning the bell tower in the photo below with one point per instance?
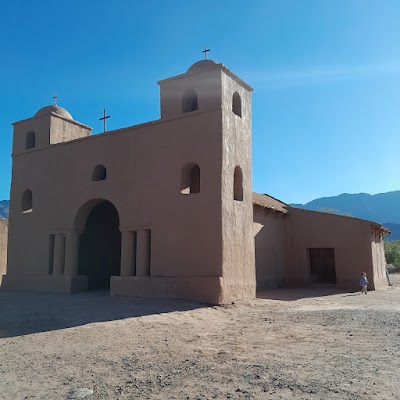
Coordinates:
(208, 86)
(50, 125)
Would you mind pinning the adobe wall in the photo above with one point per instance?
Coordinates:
(144, 167)
(270, 238)
(350, 237)
(3, 247)
(237, 215)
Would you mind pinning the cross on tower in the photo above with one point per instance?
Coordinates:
(205, 51)
(105, 116)
(55, 97)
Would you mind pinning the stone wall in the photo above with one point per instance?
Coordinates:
(3, 247)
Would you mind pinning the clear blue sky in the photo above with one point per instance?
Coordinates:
(326, 74)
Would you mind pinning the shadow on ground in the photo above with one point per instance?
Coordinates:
(301, 293)
(23, 313)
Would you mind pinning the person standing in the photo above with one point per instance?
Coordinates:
(364, 283)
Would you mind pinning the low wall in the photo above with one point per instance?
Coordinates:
(3, 247)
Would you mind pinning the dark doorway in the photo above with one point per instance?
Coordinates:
(100, 246)
(322, 266)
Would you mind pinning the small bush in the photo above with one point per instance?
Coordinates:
(392, 254)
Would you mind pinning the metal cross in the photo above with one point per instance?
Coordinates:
(105, 116)
(205, 51)
(55, 97)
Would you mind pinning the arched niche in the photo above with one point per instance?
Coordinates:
(190, 101)
(27, 201)
(99, 173)
(190, 179)
(237, 104)
(30, 140)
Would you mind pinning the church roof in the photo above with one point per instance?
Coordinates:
(270, 202)
(62, 112)
(202, 64)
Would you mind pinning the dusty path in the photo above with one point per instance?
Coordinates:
(286, 346)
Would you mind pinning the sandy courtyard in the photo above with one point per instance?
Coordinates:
(292, 344)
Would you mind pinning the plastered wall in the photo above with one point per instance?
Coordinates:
(349, 237)
(270, 238)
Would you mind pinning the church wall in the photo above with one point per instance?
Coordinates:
(3, 247)
(350, 238)
(237, 215)
(270, 239)
(144, 166)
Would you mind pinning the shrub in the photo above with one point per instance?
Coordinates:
(392, 254)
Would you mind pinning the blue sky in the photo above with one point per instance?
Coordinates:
(326, 74)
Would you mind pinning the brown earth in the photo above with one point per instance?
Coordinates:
(290, 344)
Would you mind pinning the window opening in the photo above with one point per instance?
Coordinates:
(237, 104)
(190, 179)
(30, 140)
(99, 173)
(238, 184)
(27, 201)
(190, 101)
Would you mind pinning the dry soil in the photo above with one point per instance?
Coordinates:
(291, 344)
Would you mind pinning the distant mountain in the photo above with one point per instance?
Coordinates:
(395, 228)
(382, 207)
(4, 206)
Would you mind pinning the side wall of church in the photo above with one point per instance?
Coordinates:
(237, 214)
(270, 239)
(349, 237)
(3, 247)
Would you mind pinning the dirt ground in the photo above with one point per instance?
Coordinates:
(290, 344)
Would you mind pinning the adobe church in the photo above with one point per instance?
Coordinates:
(166, 209)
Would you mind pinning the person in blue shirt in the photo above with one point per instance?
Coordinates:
(364, 283)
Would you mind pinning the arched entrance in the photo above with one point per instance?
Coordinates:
(100, 245)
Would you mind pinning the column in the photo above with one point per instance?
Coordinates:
(143, 253)
(59, 254)
(72, 253)
(128, 253)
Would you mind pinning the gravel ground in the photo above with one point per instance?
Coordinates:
(289, 344)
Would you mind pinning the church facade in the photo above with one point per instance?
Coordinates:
(162, 209)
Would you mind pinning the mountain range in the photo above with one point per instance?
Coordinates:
(4, 206)
(383, 208)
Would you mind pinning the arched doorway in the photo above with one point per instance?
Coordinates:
(100, 246)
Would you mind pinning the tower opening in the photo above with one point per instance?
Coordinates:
(190, 101)
(238, 184)
(100, 246)
(237, 104)
(30, 140)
